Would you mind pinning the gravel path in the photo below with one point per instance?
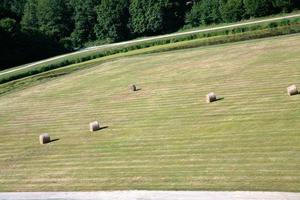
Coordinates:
(150, 195)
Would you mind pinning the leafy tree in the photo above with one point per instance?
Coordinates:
(8, 26)
(12, 8)
(285, 5)
(29, 19)
(258, 8)
(8, 29)
(204, 12)
(173, 14)
(155, 16)
(232, 10)
(21, 46)
(146, 16)
(84, 14)
(112, 20)
(54, 18)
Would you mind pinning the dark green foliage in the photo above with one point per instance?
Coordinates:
(8, 26)
(232, 10)
(285, 5)
(173, 14)
(8, 34)
(258, 8)
(146, 16)
(218, 11)
(12, 9)
(112, 20)
(155, 16)
(204, 12)
(54, 18)
(27, 40)
(84, 14)
(30, 19)
(19, 46)
(50, 17)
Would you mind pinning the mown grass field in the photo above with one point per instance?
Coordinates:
(163, 137)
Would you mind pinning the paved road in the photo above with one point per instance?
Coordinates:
(148, 39)
(150, 195)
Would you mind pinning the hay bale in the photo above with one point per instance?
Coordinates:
(211, 97)
(133, 88)
(94, 126)
(44, 138)
(292, 90)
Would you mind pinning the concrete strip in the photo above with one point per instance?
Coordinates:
(150, 195)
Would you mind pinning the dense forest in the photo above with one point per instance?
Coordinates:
(34, 29)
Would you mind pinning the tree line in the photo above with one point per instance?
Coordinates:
(36, 29)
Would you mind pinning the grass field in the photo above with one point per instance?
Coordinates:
(163, 137)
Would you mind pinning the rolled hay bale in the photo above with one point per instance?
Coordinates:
(211, 97)
(94, 126)
(292, 90)
(44, 138)
(133, 88)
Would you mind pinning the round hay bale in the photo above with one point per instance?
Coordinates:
(133, 88)
(94, 126)
(44, 138)
(211, 97)
(292, 90)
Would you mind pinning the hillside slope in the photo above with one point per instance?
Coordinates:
(164, 136)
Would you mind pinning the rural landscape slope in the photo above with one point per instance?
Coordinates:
(95, 48)
(164, 136)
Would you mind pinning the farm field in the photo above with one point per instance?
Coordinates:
(164, 136)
